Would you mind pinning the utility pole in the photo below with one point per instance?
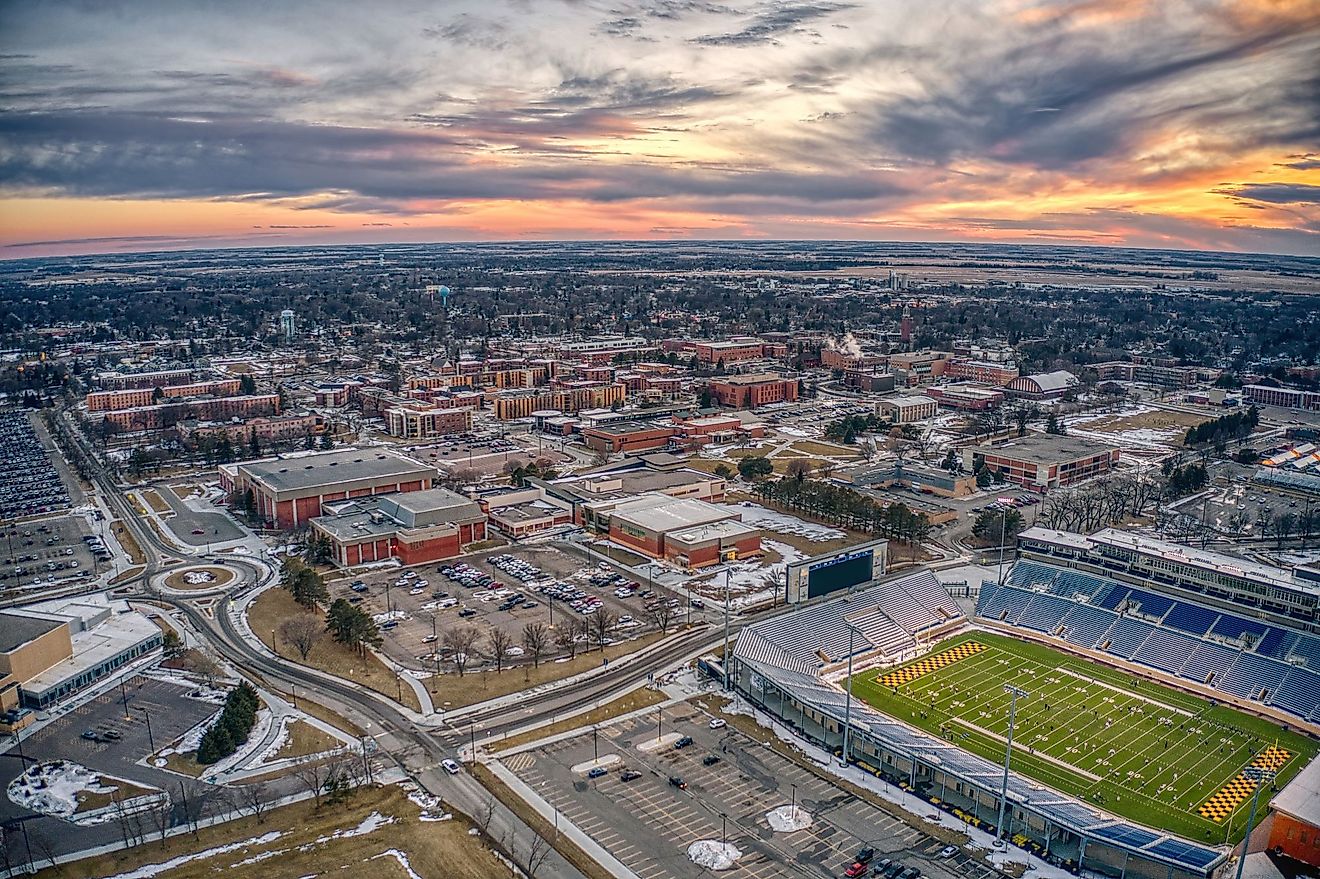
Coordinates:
(1014, 692)
(151, 740)
(1003, 533)
(1262, 777)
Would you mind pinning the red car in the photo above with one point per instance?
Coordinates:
(857, 869)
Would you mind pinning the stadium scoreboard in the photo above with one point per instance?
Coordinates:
(848, 568)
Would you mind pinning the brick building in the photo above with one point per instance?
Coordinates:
(416, 422)
(114, 381)
(688, 532)
(732, 351)
(1042, 461)
(272, 429)
(751, 391)
(1042, 386)
(287, 492)
(413, 527)
(166, 415)
(521, 404)
(906, 410)
(627, 436)
(128, 398)
(986, 372)
(966, 397)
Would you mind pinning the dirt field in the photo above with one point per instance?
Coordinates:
(155, 501)
(1156, 419)
(128, 542)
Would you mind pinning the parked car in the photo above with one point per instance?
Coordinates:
(855, 870)
(597, 772)
(709, 760)
(948, 851)
(717, 723)
(682, 743)
(629, 775)
(678, 782)
(865, 855)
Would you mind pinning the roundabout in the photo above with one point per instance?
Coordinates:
(201, 578)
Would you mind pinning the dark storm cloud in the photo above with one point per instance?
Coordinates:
(1051, 97)
(369, 170)
(1275, 193)
(772, 21)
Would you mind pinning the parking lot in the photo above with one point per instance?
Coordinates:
(29, 482)
(198, 528)
(41, 551)
(426, 602)
(1237, 508)
(648, 822)
(172, 714)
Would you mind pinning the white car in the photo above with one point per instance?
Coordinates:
(514, 651)
(948, 851)
(451, 767)
(717, 723)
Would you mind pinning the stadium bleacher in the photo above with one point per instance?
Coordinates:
(1193, 642)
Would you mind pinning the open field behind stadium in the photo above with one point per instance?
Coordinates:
(1161, 757)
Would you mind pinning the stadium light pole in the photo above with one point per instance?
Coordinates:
(1014, 692)
(1262, 777)
(847, 704)
(728, 573)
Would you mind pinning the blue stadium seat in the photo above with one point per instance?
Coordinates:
(1251, 673)
(1044, 612)
(1191, 618)
(1086, 625)
(1307, 649)
(1298, 693)
(1165, 650)
(1208, 663)
(1126, 636)
(1151, 604)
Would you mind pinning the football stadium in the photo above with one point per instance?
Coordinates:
(1154, 685)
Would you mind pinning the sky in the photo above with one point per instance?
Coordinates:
(128, 126)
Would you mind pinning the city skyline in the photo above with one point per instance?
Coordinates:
(145, 127)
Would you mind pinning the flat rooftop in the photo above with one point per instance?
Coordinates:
(1046, 448)
(661, 513)
(117, 634)
(729, 528)
(1203, 558)
(757, 379)
(349, 465)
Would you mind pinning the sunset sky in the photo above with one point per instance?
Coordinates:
(144, 125)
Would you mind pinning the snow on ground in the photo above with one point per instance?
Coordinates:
(151, 870)
(281, 736)
(401, 858)
(432, 808)
(53, 788)
(752, 582)
(372, 822)
(191, 740)
(771, 520)
(389, 615)
(795, 432)
(199, 691)
(198, 577)
(788, 818)
(713, 854)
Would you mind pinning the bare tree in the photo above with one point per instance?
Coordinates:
(602, 623)
(312, 773)
(44, 845)
(461, 640)
(535, 638)
(798, 468)
(485, 814)
(303, 632)
(662, 615)
(564, 638)
(537, 853)
(254, 798)
(499, 642)
(201, 663)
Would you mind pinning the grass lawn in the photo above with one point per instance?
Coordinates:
(829, 450)
(90, 801)
(478, 686)
(305, 740)
(303, 845)
(276, 605)
(1147, 752)
(640, 698)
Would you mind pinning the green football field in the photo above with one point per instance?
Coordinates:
(1158, 756)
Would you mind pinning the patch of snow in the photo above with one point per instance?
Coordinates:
(713, 854)
(198, 577)
(758, 516)
(788, 818)
(389, 615)
(401, 858)
(372, 822)
(150, 870)
(53, 788)
(191, 740)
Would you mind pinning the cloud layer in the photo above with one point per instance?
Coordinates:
(1104, 121)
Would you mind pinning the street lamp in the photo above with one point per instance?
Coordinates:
(151, 740)
(728, 573)
(1261, 776)
(1014, 692)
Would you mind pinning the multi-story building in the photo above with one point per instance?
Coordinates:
(267, 430)
(287, 492)
(521, 404)
(751, 391)
(731, 351)
(1160, 375)
(906, 410)
(1042, 461)
(918, 367)
(166, 415)
(128, 398)
(984, 372)
(1288, 397)
(418, 422)
(116, 381)
(691, 533)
